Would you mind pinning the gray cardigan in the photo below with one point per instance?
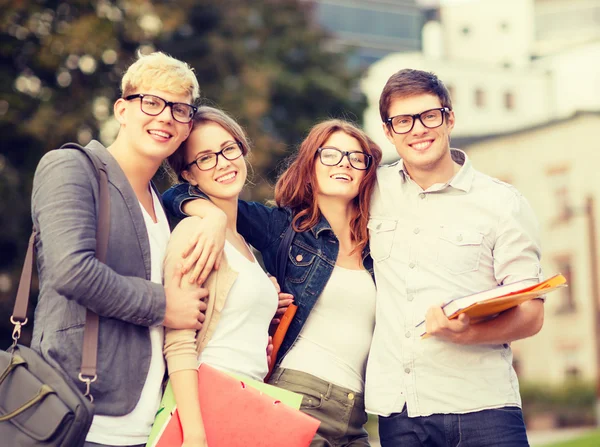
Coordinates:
(64, 210)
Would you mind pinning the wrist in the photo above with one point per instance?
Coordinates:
(194, 436)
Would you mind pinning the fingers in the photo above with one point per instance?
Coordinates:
(191, 246)
(177, 276)
(198, 269)
(436, 321)
(198, 243)
(210, 262)
(286, 297)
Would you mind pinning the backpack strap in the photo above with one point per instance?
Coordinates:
(89, 357)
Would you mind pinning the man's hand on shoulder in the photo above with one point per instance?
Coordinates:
(185, 306)
(438, 325)
(205, 248)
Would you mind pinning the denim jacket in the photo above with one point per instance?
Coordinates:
(311, 258)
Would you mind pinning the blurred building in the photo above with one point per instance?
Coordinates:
(500, 64)
(524, 76)
(372, 28)
(555, 166)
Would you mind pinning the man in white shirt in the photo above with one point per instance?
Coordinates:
(439, 230)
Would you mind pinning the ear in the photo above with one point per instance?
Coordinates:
(190, 127)
(450, 121)
(388, 133)
(189, 178)
(119, 109)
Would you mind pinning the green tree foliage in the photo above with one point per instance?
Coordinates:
(263, 61)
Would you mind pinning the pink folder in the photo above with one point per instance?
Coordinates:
(236, 415)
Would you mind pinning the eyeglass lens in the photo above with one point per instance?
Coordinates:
(209, 160)
(153, 105)
(429, 118)
(332, 157)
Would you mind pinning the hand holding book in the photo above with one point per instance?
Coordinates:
(490, 303)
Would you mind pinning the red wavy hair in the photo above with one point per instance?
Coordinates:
(296, 187)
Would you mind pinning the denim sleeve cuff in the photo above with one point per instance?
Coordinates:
(193, 193)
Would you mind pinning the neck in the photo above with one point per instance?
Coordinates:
(138, 170)
(230, 208)
(338, 213)
(441, 172)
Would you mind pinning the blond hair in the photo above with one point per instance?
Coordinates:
(162, 72)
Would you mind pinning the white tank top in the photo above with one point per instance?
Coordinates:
(239, 343)
(335, 340)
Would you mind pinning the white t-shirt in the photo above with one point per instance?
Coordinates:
(134, 428)
(240, 340)
(334, 343)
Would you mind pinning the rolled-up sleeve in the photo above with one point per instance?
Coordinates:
(180, 347)
(517, 252)
(176, 196)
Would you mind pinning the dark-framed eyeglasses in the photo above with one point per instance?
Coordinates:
(208, 160)
(154, 105)
(331, 156)
(431, 119)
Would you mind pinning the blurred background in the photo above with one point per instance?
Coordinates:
(524, 76)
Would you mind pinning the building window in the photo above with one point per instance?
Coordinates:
(559, 184)
(567, 300)
(571, 364)
(479, 98)
(509, 101)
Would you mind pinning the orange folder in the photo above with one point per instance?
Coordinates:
(236, 415)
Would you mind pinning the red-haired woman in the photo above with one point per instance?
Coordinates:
(324, 194)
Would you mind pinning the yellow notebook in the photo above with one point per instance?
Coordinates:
(488, 304)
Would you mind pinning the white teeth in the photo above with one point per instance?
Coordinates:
(226, 177)
(159, 133)
(422, 145)
(341, 177)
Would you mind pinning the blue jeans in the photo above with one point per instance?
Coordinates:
(500, 427)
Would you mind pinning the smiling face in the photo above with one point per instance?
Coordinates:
(154, 137)
(340, 181)
(424, 151)
(226, 180)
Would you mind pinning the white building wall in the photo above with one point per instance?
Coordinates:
(526, 159)
(544, 89)
(532, 102)
(489, 32)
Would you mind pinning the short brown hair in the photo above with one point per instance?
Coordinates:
(205, 114)
(409, 82)
(296, 187)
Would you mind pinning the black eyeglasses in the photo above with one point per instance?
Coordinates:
(209, 160)
(331, 156)
(431, 119)
(154, 105)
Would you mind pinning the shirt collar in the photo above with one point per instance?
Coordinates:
(321, 226)
(463, 178)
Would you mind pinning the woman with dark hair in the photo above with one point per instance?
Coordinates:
(324, 195)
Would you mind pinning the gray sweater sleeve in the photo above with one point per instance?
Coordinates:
(64, 214)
